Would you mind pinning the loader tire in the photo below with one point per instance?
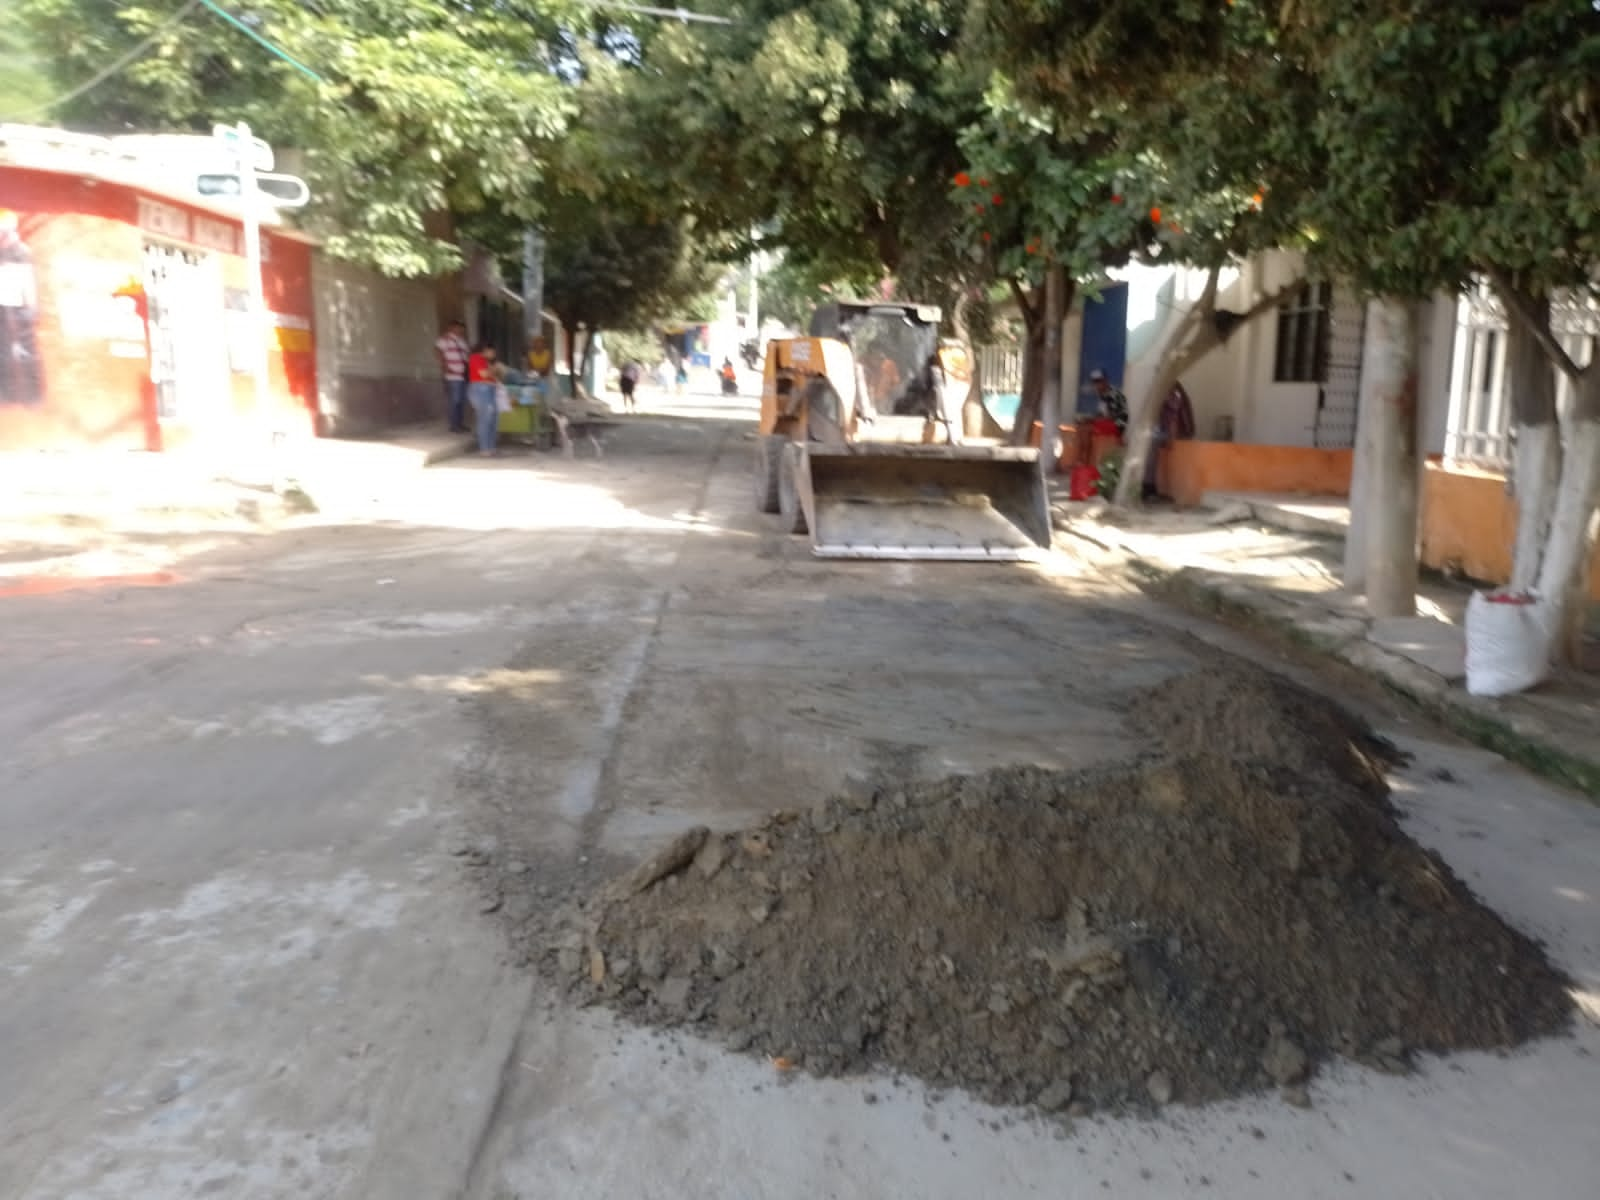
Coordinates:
(769, 465)
(791, 516)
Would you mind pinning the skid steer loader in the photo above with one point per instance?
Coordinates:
(860, 445)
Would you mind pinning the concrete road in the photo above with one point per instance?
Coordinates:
(238, 956)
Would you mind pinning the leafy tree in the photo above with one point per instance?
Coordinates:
(429, 109)
(1153, 132)
(791, 292)
(609, 271)
(1530, 224)
(24, 86)
(831, 125)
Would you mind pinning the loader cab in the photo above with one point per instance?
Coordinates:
(895, 345)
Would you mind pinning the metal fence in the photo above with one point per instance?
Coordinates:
(1478, 431)
(1000, 370)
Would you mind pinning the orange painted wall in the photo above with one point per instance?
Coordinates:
(1469, 524)
(1195, 468)
(84, 240)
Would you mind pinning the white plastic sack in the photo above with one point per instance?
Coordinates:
(1506, 645)
(502, 398)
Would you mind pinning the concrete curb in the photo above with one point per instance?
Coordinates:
(1514, 736)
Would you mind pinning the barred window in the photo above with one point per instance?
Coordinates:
(1304, 327)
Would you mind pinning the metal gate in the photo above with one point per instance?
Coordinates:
(1000, 370)
(1337, 396)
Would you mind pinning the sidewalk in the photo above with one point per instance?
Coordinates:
(1234, 561)
(103, 513)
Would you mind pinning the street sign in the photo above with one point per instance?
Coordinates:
(278, 191)
(261, 157)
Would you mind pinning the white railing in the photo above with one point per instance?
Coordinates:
(1000, 370)
(1478, 431)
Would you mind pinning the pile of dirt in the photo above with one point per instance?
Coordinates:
(1186, 927)
(1252, 714)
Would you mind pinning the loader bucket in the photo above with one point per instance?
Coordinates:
(950, 503)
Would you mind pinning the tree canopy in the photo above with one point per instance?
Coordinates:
(430, 108)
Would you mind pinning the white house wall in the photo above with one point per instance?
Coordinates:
(1233, 388)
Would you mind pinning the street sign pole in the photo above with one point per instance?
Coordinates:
(249, 203)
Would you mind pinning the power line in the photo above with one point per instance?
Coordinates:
(256, 37)
(116, 65)
(677, 14)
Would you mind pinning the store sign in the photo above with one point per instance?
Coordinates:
(193, 229)
(277, 191)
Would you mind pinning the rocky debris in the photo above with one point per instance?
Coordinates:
(1284, 1062)
(670, 859)
(1248, 713)
(1179, 929)
(1055, 1096)
(1159, 1085)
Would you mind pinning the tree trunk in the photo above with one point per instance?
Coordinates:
(1355, 538)
(1564, 572)
(1032, 386)
(1055, 313)
(1388, 432)
(1536, 469)
(1032, 367)
(1193, 339)
(571, 332)
(972, 409)
(588, 353)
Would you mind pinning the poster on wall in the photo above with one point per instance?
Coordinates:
(21, 368)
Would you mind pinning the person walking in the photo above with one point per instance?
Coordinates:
(453, 354)
(483, 377)
(628, 378)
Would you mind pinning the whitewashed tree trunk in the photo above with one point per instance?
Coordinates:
(1536, 467)
(1564, 572)
(1536, 471)
(1388, 429)
(1188, 340)
(1141, 422)
(1355, 538)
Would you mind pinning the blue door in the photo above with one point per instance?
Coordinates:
(1105, 343)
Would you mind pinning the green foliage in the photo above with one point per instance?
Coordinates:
(1110, 476)
(792, 290)
(642, 346)
(833, 125)
(431, 109)
(1400, 143)
(606, 270)
(24, 85)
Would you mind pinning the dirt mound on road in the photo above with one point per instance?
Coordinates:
(1187, 927)
(1251, 714)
